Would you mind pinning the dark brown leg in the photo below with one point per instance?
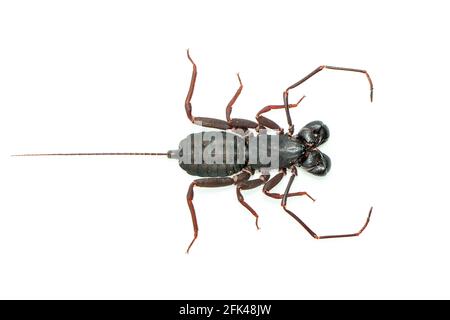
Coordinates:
(265, 122)
(202, 121)
(275, 181)
(317, 70)
(312, 233)
(244, 124)
(209, 183)
(237, 122)
(247, 185)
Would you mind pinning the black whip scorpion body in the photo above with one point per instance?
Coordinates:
(231, 155)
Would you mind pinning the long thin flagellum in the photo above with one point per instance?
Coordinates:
(93, 154)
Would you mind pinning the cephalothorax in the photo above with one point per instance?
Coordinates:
(241, 147)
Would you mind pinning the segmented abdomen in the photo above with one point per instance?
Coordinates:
(212, 154)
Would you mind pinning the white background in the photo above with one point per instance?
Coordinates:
(103, 76)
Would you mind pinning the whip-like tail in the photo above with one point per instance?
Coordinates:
(94, 154)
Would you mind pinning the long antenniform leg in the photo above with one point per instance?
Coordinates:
(312, 233)
(317, 70)
(210, 183)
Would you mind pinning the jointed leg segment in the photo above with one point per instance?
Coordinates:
(275, 181)
(237, 122)
(211, 183)
(202, 121)
(247, 185)
(312, 233)
(317, 70)
(213, 122)
(266, 122)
